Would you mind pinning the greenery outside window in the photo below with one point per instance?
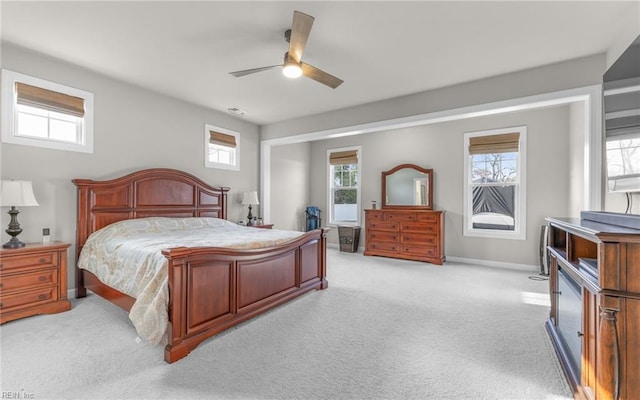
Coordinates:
(494, 183)
(344, 185)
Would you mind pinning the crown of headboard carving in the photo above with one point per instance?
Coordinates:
(156, 192)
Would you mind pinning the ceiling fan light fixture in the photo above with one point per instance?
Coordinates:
(292, 70)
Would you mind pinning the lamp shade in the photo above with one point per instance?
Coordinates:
(249, 198)
(17, 194)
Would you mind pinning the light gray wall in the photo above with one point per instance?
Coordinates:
(290, 185)
(134, 129)
(440, 146)
(576, 189)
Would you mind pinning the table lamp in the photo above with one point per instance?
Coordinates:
(249, 198)
(16, 194)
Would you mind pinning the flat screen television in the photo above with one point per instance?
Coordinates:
(621, 100)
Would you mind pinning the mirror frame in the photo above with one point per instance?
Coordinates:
(428, 172)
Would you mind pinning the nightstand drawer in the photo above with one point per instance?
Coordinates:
(31, 279)
(30, 298)
(45, 259)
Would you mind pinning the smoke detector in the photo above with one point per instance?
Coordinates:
(236, 110)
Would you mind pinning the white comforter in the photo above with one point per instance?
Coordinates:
(127, 256)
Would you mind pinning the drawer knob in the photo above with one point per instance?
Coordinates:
(1, 285)
(43, 278)
(42, 297)
(0, 305)
(43, 260)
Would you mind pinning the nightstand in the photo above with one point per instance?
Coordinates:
(33, 280)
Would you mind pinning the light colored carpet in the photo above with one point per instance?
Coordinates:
(385, 329)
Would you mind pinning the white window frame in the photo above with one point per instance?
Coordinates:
(84, 143)
(332, 220)
(211, 164)
(520, 228)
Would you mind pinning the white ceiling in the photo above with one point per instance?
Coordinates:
(380, 49)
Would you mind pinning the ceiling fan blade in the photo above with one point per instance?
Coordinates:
(320, 76)
(300, 29)
(244, 72)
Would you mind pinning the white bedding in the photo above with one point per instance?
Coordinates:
(126, 255)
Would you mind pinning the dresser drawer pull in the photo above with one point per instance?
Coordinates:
(1, 285)
(43, 260)
(0, 305)
(0, 266)
(43, 278)
(42, 296)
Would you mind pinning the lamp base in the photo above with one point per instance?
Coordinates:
(249, 216)
(14, 230)
(14, 243)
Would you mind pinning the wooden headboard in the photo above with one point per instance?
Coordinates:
(156, 192)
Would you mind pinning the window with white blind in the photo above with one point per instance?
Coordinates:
(344, 185)
(40, 113)
(221, 148)
(495, 183)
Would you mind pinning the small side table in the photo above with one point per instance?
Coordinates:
(33, 280)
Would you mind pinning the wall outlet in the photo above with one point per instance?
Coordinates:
(46, 238)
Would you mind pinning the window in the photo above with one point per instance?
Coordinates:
(222, 148)
(40, 113)
(623, 162)
(494, 183)
(344, 185)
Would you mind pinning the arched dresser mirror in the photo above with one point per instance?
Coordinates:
(406, 226)
(407, 186)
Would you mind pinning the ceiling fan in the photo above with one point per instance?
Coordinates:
(293, 66)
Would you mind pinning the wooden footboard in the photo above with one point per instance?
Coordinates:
(213, 289)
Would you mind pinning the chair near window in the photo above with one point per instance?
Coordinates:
(313, 220)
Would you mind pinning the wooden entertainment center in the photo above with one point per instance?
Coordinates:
(594, 323)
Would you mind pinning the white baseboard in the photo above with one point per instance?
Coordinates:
(490, 263)
(484, 263)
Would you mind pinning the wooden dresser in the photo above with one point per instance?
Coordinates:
(33, 280)
(594, 323)
(410, 234)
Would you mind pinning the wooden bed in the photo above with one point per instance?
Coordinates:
(210, 289)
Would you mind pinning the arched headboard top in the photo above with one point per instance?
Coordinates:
(155, 192)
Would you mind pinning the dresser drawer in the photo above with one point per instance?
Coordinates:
(29, 279)
(36, 260)
(383, 236)
(423, 227)
(374, 215)
(30, 298)
(424, 251)
(418, 239)
(389, 226)
(391, 216)
(429, 217)
(383, 246)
